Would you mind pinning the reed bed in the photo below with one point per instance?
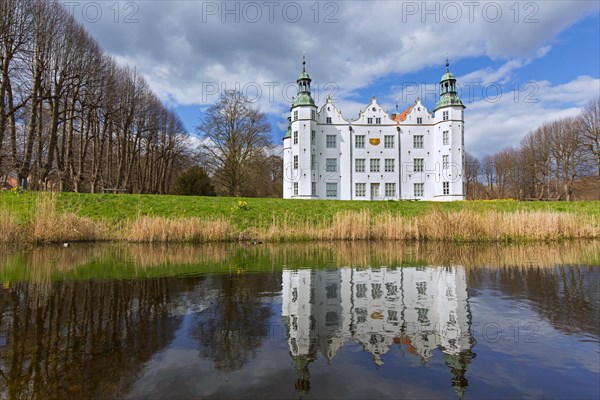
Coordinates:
(160, 229)
(48, 224)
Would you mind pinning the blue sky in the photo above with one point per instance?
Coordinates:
(519, 64)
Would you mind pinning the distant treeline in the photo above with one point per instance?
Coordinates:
(551, 162)
(71, 119)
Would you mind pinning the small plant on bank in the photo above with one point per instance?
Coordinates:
(241, 206)
(17, 190)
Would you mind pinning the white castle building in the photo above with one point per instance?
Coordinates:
(422, 309)
(411, 155)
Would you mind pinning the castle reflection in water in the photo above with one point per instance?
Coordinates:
(418, 308)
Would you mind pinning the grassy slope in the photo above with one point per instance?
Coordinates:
(116, 208)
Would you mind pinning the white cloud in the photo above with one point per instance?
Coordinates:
(187, 52)
(491, 126)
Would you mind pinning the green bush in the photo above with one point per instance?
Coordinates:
(193, 182)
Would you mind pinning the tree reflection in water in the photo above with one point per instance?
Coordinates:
(84, 323)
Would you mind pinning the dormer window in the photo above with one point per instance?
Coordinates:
(369, 121)
(419, 120)
(378, 120)
(328, 120)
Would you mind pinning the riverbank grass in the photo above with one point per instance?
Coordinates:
(57, 217)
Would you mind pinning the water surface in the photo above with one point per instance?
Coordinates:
(314, 321)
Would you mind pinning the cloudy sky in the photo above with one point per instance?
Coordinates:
(518, 64)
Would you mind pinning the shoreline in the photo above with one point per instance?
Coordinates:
(45, 220)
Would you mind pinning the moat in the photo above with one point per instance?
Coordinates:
(334, 320)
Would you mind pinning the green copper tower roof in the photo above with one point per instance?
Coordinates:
(303, 98)
(448, 95)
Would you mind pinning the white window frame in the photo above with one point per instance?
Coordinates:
(446, 188)
(295, 137)
(295, 188)
(359, 165)
(418, 142)
(360, 189)
(418, 165)
(419, 189)
(330, 141)
(445, 138)
(390, 165)
(374, 165)
(388, 141)
(330, 165)
(331, 189)
(295, 162)
(390, 189)
(359, 141)
(445, 161)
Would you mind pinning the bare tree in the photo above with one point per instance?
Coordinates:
(234, 133)
(472, 170)
(589, 125)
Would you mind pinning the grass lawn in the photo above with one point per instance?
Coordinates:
(116, 208)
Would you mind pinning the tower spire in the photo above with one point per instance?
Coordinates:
(447, 63)
(303, 62)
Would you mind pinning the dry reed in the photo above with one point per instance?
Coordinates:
(49, 225)
(160, 229)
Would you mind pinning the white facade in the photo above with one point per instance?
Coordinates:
(413, 155)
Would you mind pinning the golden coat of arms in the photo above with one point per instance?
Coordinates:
(374, 141)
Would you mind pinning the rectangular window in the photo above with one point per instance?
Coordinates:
(369, 121)
(330, 165)
(445, 116)
(295, 188)
(375, 165)
(313, 161)
(419, 120)
(418, 188)
(446, 138)
(418, 141)
(313, 188)
(332, 190)
(328, 120)
(331, 142)
(388, 141)
(295, 115)
(445, 162)
(390, 189)
(361, 189)
(377, 120)
(295, 162)
(313, 134)
(418, 165)
(313, 114)
(446, 186)
(359, 165)
(359, 141)
(295, 137)
(389, 165)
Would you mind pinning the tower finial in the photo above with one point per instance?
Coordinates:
(304, 61)
(396, 106)
(447, 63)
